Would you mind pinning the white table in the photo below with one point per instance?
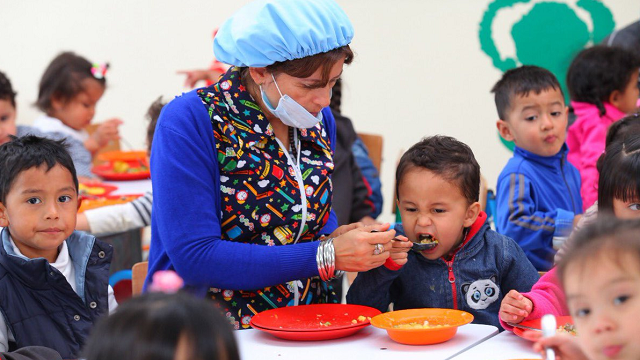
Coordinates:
(370, 343)
(505, 345)
(130, 187)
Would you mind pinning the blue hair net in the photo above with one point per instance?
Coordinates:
(267, 31)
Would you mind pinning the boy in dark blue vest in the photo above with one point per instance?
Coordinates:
(54, 281)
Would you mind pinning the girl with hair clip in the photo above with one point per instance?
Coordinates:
(69, 90)
(603, 84)
(604, 300)
(163, 326)
(618, 194)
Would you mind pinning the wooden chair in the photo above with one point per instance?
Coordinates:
(374, 145)
(112, 146)
(138, 274)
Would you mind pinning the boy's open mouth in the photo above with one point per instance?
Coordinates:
(427, 239)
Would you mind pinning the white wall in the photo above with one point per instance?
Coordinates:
(419, 69)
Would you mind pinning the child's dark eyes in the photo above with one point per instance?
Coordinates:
(582, 312)
(556, 113)
(531, 118)
(439, 211)
(620, 299)
(634, 207)
(34, 201)
(64, 198)
(4, 118)
(410, 209)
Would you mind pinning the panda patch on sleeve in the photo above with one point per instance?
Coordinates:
(481, 293)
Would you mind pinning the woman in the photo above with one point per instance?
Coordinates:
(247, 162)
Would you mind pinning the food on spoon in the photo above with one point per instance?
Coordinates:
(427, 239)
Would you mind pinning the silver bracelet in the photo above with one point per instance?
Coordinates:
(326, 260)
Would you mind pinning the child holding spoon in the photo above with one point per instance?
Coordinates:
(470, 267)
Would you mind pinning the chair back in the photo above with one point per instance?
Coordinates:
(374, 145)
(138, 274)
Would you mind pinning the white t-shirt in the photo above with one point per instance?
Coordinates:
(65, 266)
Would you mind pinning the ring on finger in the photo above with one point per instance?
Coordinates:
(379, 249)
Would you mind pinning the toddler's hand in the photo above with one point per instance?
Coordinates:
(515, 307)
(399, 250)
(565, 346)
(107, 131)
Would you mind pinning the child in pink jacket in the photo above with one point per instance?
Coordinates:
(603, 84)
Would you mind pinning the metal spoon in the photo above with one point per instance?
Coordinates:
(419, 246)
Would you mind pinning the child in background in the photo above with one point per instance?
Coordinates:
(69, 91)
(8, 114)
(603, 84)
(604, 300)
(538, 191)
(471, 267)
(54, 282)
(618, 194)
(124, 217)
(164, 327)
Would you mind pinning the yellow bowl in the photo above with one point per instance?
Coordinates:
(443, 325)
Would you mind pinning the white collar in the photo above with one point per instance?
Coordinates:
(61, 261)
(50, 124)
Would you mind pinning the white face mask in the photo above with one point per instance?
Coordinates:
(289, 111)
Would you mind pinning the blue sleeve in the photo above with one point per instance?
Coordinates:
(518, 218)
(371, 176)
(186, 208)
(329, 123)
(373, 288)
(517, 271)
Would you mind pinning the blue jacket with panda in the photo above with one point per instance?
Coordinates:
(486, 267)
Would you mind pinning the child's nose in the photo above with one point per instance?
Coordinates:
(424, 220)
(546, 122)
(52, 212)
(603, 322)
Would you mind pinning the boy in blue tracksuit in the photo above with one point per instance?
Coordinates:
(54, 281)
(471, 267)
(538, 192)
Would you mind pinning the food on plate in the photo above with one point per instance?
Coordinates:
(360, 319)
(568, 328)
(417, 325)
(104, 201)
(122, 167)
(91, 190)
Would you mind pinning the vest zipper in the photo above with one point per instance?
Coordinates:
(573, 204)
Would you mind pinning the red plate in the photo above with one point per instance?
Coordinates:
(123, 155)
(314, 318)
(106, 171)
(313, 335)
(535, 323)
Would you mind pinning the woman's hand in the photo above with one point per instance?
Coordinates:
(566, 347)
(344, 229)
(515, 307)
(400, 247)
(355, 248)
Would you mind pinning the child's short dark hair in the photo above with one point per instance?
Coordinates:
(23, 153)
(153, 113)
(520, 82)
(619, 168)
(6, 90)
(598, 71)
(151, 326)
(63, 79)
(447, 157)
(606, 235)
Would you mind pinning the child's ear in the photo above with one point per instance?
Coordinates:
(4, 219)
(472, 214)
(504, 130)
(79, 202)
(615, 98)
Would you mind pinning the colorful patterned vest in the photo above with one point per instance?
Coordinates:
(260, 197)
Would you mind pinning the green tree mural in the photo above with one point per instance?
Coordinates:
(549, 34)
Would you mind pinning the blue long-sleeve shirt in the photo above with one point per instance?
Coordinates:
(186, 216)
(537, 198)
